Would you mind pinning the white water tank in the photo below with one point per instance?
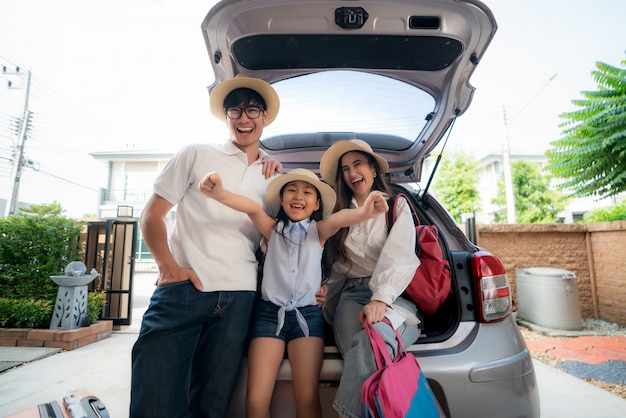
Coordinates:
(548, 296)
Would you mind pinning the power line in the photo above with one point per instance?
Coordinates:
(64, 180)
(75, 113)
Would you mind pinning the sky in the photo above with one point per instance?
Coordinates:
(118, 74)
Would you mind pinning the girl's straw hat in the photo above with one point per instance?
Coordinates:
(272, 195)
(223, 89)
(330, 159)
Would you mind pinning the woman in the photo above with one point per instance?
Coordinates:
(370, 270)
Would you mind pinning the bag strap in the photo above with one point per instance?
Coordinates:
(418, 247)
(378, 344)
(392, 202)
(381, 355)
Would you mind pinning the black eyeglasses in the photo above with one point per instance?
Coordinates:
(252, 112)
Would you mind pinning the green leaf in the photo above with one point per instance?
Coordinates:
(590, 156)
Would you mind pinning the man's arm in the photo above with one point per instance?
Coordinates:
(154, 231)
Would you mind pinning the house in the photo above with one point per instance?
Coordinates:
(130, 175)
(491, 172)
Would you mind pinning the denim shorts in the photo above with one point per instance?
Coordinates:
(265, 321)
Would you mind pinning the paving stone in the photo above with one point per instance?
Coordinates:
(14, 356)
(613, 371)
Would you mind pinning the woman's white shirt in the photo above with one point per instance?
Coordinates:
(389, 260)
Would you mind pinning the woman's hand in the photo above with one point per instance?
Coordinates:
(373, 312)
(320, 296)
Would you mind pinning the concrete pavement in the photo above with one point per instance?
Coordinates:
(103, 369)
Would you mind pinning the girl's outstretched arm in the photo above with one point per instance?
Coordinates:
(374, 205)
(211, 186)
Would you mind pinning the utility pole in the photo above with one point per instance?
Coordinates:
(506, 156)
(508, 172)
(22, 135)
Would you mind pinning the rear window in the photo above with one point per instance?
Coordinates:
(349, 101)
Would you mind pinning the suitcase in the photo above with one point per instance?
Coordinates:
(83, 406)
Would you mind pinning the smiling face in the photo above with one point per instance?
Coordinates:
(299, 199)
(358, 174)
(245, 131)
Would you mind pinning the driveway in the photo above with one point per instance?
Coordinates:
(103, 369)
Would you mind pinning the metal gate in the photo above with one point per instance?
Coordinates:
(110, 247)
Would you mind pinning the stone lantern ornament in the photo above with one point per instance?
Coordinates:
(70, 308)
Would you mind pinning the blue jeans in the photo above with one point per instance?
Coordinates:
(355, 345)
(186, 360)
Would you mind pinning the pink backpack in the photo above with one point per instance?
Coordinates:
(398, 389)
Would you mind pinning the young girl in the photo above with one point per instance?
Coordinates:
(287, 313)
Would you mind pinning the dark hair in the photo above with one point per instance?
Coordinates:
(244, 96)
(335, 247)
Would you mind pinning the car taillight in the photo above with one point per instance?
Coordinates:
(494, 296)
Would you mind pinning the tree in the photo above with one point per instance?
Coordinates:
(535, 202)
(591, 154)
(455, 184)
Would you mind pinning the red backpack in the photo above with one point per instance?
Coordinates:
(431, 283)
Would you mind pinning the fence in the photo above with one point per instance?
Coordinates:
(596, 253)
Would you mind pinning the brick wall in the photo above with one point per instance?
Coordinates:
(609, 268)
(55, 338)
(596, 253)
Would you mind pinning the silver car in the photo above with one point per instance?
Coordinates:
(395, 73)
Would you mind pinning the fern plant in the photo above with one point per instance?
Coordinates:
(591, 153)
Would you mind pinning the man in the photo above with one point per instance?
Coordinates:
(186, 360)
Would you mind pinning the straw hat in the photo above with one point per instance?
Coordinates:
(223, 89)
(272, 195)
(330, 159)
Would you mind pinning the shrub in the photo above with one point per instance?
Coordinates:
(33, 248)
(95, 302)
(25, 313)
(32, 313)
(611, 213)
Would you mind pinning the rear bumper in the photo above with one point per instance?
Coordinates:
(488, 373)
